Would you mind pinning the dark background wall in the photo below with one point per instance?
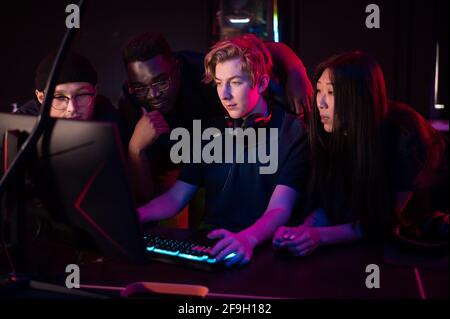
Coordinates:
(30, 29)
(404, 45)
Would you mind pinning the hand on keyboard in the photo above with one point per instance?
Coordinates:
(238, 243)
(172, 250)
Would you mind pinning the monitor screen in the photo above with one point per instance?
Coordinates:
(85, 163)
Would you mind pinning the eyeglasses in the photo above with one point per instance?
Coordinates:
(142, 91)
(60, 102)
(162, 85)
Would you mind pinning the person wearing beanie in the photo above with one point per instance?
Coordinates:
(75, 96)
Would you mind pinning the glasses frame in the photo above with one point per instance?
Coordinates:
(68, 99)
(147, 88)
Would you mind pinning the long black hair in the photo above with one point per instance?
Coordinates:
(348, 174)
(351, 167)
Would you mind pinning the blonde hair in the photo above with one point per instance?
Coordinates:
(255, 57)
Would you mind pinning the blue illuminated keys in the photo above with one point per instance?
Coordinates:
(178, 249)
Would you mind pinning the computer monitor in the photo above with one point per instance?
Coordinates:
(86, 166)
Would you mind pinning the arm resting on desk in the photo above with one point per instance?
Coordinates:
(351, 231)
(332, 234)
(315, 231)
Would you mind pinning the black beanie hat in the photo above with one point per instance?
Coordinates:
(76, 68)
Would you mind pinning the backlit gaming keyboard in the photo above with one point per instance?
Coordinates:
(184, 252)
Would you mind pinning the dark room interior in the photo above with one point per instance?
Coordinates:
(351, 157)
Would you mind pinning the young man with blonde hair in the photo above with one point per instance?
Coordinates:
(243, 206)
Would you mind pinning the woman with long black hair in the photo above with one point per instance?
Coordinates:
(369, 157)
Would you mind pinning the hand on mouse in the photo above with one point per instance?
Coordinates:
(300, 241)
(239, 243)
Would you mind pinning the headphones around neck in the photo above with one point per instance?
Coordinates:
(253, 120)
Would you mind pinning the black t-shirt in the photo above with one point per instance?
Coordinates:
(237, 194)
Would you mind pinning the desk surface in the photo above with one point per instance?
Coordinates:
(331, 272)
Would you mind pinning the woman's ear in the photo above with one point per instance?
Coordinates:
(40, 96)
(263, 83)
